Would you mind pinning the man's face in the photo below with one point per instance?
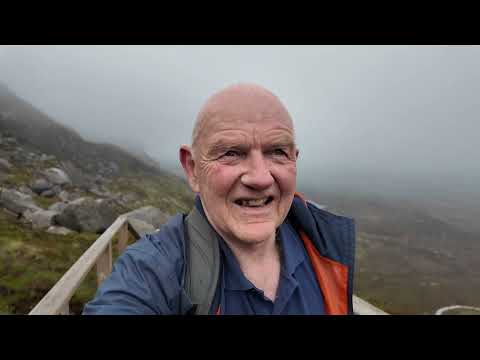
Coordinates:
(245, 170)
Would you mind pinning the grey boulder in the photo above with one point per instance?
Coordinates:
(43, 219)
(45, 157)
(87, 214)
(58, 207)
(26, 190)
(40, 185)
(59, 230)
(48, 193)
(16, 201)
(57, 176)
(149, 214)
(5, 165)
(64, 195)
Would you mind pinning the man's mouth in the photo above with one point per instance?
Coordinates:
(254, 202)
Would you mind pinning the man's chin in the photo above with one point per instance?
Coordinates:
(256, 232)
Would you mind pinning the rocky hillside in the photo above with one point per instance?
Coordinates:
(34, 129)
(58, 192)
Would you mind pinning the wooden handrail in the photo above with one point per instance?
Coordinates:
(362, 307)
(57, 300)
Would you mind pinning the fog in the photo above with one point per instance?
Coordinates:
(400, 120)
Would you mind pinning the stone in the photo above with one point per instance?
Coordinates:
(40, 185)
(5, 165)
(100, 192)
(57, 189)
(127, 198)
(58, 207)
(64, 195)
(48, 193)
(78, 177)
(17, 202)
(149, 214)
(57, 176)
(45, 157)
(114, 167)
(28, 214)
(59, 230)
(99, 180)
(43, 219)
(87, 214)
(26, 190)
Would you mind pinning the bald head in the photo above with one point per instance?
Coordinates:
(247, 102)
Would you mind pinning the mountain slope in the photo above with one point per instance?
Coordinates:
(35, 129)
(33, 259)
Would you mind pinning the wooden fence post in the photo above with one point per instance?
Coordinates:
(104, 264)
(123, 238)
(65, 309)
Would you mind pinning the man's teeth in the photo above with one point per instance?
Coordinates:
(257, 202)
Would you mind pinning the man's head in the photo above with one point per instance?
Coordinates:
(243, 162)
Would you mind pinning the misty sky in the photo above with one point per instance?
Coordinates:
(366, 117)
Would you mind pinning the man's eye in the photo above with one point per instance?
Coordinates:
(279, 152)
(231, 153)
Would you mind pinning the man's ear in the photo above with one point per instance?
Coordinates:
(188, 164)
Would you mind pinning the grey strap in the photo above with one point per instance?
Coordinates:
(202, 262)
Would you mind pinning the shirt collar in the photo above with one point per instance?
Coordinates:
(293, 251)
(198, 204)
(234, 277)
(293, 254)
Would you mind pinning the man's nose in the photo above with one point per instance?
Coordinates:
(257, 175)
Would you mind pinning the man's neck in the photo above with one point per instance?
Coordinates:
(260, 263)
(256, 253)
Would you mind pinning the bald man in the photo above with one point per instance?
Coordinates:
(251, 244)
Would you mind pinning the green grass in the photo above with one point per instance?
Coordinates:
(19, 176)
(169, 195)
(24, 175)
(48, 163)
(31, 262)
(44, 202)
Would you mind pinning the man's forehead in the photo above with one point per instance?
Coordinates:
(240, 104)
(261, 122)
(279, 135)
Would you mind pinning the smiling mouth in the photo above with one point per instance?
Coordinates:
(254, 202)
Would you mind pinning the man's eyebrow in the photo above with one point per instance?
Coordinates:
(284, 143)
(223, 144)
(281, 141)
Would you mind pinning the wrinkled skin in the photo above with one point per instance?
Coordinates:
(244, 149)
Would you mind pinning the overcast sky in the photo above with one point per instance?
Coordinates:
(366, 116)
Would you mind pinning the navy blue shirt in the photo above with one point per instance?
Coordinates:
(298, 292)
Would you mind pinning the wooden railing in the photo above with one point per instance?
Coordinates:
(362, 307)
(56, 301)
(99, 254)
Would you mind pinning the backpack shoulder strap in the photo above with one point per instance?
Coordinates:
(202, 262)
